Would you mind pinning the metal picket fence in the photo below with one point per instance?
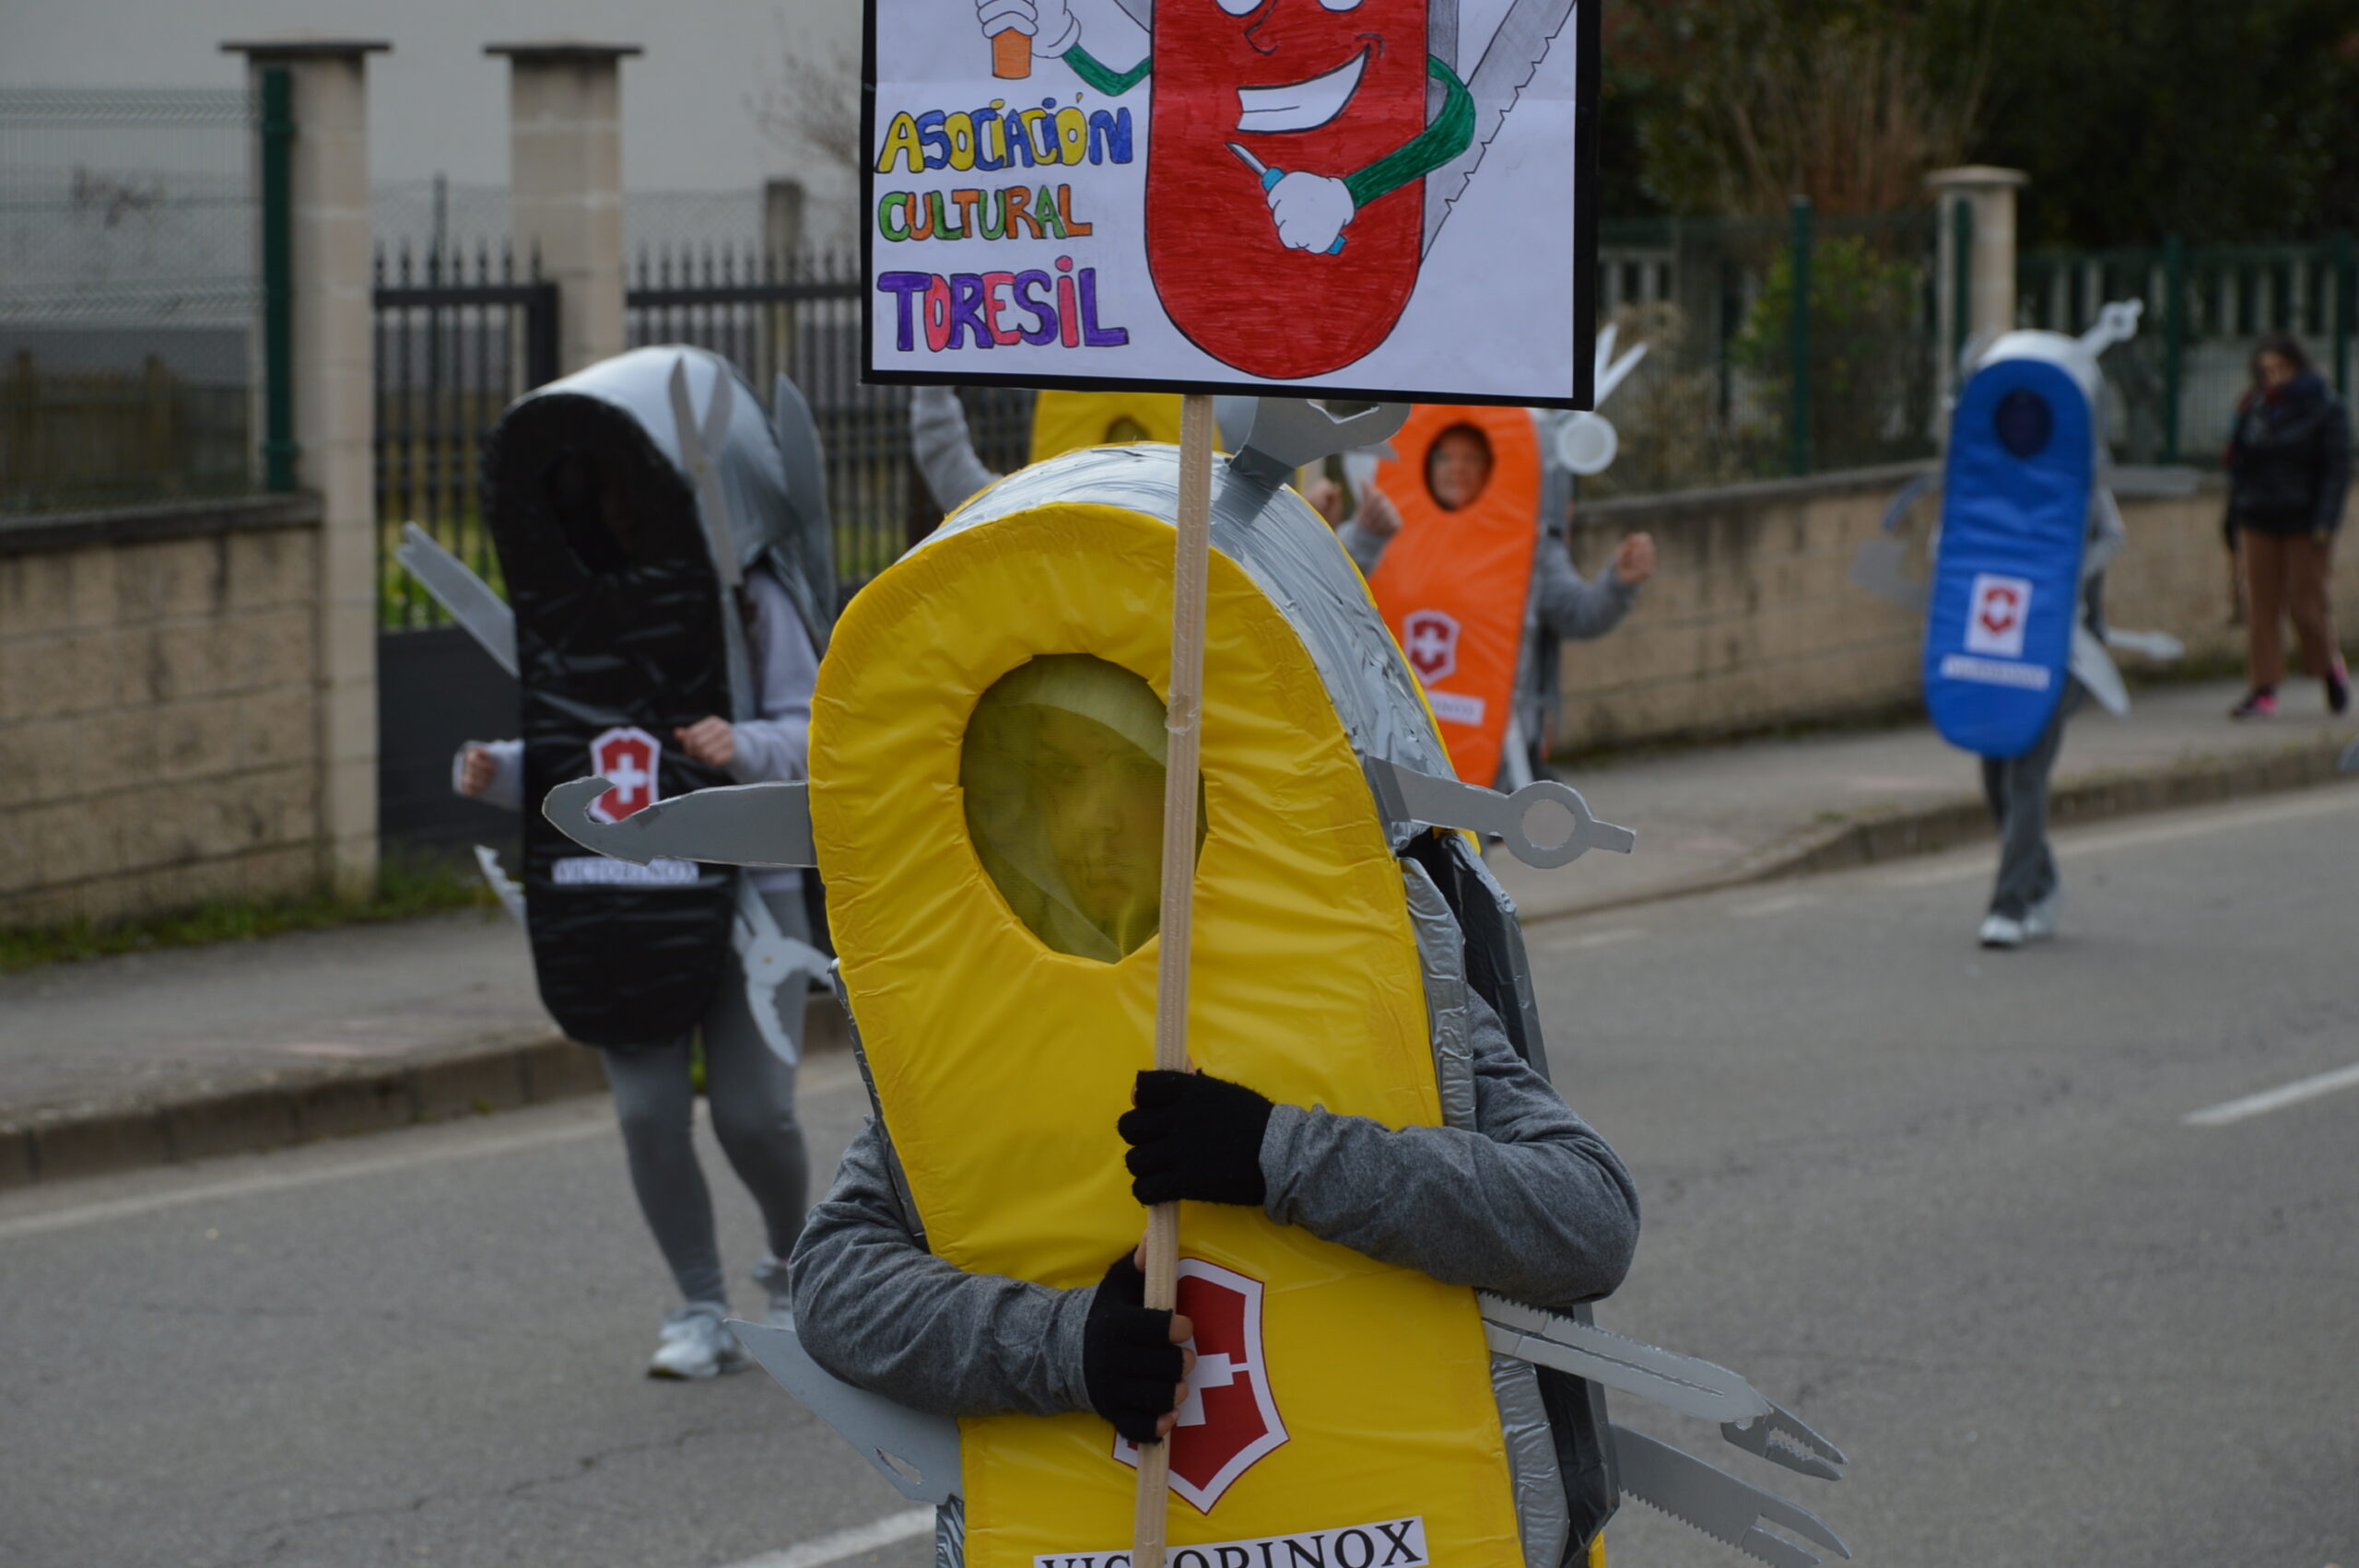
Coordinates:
(1775, 346)
(459, 337)
(2174, 388)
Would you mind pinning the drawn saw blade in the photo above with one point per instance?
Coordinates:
(1509, 63)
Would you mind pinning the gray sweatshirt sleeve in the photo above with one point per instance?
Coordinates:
(2106, 534)
(1574, 608)
(506, 787)
(876, 1308)
(946, 454)
(776, 745)
(1363, 545)
(1532, 1204)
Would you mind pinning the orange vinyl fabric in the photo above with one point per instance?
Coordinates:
(1453, 585)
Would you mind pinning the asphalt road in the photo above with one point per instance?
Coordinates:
(1945, 1204)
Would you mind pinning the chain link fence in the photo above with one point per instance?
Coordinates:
(128, 291)
(1747, 375)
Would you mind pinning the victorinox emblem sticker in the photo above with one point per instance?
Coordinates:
(1229, 1419)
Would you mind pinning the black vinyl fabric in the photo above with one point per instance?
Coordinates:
(618, 623)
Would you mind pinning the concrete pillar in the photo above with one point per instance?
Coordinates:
(334, 423)
(1989, 305)
(783, 221)
(565, 184)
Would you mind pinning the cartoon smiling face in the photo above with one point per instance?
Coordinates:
(1246, 94)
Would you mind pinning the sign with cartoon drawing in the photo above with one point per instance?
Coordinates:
(1383, 197)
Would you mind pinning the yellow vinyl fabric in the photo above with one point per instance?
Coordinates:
(1000, 1063)
(1067, 421)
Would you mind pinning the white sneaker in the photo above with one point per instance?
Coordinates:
(696, 1344)
(2040, 920)
(1998, 930)
(778, 1288)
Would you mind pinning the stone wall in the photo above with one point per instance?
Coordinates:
(159, 729)
(1752, 622)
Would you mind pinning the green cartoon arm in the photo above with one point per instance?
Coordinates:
(1439, 142)
(1114, 83)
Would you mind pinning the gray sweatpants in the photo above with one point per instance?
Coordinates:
(752, 1095)
(2016, 788)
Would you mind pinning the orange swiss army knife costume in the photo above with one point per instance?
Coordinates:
(1453, 585)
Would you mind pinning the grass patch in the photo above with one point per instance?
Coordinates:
(409, 885)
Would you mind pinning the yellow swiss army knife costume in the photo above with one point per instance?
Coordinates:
(1302, 935)
(1353, 964)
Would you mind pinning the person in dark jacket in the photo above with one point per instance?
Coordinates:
(2289, 471)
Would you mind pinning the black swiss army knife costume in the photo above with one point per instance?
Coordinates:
(626, 502)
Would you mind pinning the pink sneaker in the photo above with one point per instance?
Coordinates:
(2256, 705)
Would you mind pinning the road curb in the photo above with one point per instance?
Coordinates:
(1906, 833)
(280, 1107)
(2196, 781)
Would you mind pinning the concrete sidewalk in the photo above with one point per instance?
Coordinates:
(177, 1056)
(1713, 816)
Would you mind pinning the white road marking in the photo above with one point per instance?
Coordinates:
(1594, 939)
(275, 1181)
(1776, 905)
(1976, 865)
(2275, 1099)
(846, 1543)
(43, 1222)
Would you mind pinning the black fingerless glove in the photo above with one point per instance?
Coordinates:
(1127, 1362)
(1195, 1137)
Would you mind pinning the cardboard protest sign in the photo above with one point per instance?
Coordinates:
(1374, 198)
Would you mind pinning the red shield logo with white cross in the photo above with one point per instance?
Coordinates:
(1229, 1421)
(1430, 639)
(625, 757)
(1995, 615)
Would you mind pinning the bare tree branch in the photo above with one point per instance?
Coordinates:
(811, 104)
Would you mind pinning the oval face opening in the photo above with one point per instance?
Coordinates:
(1062, 770)
(2024, 422)
(1457, 466)
(584, 495)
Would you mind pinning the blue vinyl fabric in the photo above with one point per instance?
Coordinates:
(2006, 582)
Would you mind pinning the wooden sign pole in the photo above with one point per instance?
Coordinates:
(1192, 562)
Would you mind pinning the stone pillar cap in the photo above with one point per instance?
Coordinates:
(1977, 174)
(306, 46)
(549, 51)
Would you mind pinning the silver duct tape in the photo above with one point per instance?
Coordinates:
(950, 1533)
(1534, 1475)
(1540, 1515)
